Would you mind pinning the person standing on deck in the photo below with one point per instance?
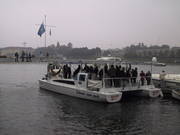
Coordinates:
(162, 76)
(123, 75)
(148, 77)
(142, 75)
(101, 74)
(112, 75)
(117, 80)
(65, 71)
(86, 68)
(76, 72)
(68, 72)
(135, 74)
(96, 70)
(106, 75)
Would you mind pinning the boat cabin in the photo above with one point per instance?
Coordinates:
(82, 80)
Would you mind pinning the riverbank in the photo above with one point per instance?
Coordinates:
(40, 60)
(144, 61)
(33, 60)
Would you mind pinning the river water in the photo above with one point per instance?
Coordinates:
(27, 110)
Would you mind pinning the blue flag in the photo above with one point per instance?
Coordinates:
(41, 30)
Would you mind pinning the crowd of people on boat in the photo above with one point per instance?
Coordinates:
(113, 74)
(25, 57)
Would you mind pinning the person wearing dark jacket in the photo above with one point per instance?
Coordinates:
(76, 71)
(112, 74)
(134, 75)
(117, 80)
(142, 75)
(96, 70)
(148, 77)
(68, 72)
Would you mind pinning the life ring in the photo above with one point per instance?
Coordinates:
(54, 69)
(54, 73)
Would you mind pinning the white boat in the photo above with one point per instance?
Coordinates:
(176, 94)
(155, 64)
(97, 90)
(112, 59)
(80, 88)
(159, 64)
(173, 77)
(170, 82)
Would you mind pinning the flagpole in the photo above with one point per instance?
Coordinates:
(45, 29)
(42, 30)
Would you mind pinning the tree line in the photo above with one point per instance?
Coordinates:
(68, 51)
(142, 51)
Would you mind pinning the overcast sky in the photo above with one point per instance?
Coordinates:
(91, 23)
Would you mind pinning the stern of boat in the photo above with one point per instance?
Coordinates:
(152, 92)
(176, 94)
(112, 98)
(42, 83)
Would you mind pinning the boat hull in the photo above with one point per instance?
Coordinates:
(152, 93)
(144, 91)
(176, 94)
(72, 90)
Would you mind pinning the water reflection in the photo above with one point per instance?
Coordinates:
(96, 117)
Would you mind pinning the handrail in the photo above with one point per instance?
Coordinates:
(126, 81)
(124, 77)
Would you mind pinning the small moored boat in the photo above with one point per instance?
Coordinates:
(170, 82)
(176, 94)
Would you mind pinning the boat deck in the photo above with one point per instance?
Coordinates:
(71, 82)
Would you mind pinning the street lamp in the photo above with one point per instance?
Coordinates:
(154, 60)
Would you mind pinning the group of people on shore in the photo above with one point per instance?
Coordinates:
(25, 57)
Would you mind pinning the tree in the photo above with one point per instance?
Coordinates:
(98, 51)
(165, 47)
(149, 54)
(145, 54)
(161, 54)
(166, 53)
(69, 45)
(178, 53)
(51, 46)
(172, 54)
(58, 45)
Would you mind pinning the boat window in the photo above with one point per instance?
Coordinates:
(82, 78)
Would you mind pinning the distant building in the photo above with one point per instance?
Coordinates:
(175, 49)
(10, 51)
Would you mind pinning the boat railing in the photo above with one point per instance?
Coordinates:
(125, 82)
